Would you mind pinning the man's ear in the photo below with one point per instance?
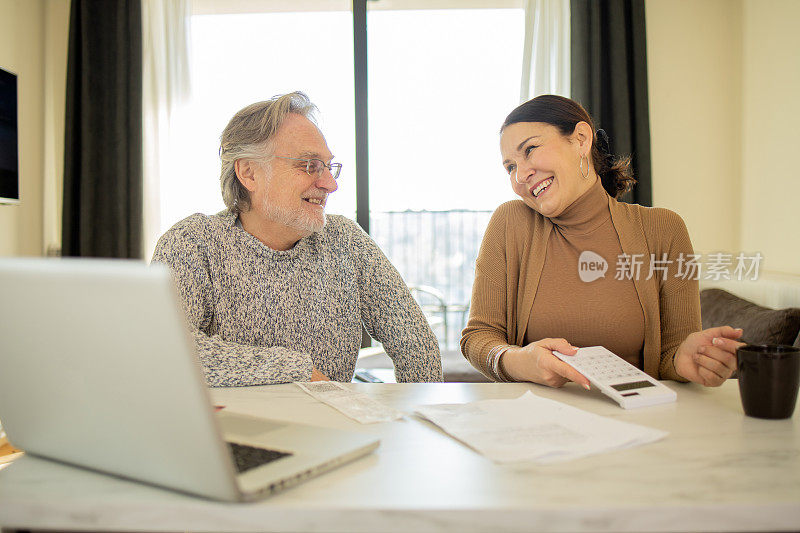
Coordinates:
(583, 136)
(245, 173)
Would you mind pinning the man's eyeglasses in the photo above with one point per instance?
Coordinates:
(315, 167)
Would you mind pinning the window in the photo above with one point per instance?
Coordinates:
(441, 80)
(241, 58)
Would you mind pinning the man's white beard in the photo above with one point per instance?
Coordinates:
(303, 222)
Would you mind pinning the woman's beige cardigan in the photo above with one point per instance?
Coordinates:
(510, 263)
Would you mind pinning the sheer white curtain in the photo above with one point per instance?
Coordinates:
(546, 55)
(166, 38)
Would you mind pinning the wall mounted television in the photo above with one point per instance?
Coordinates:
(9, 139)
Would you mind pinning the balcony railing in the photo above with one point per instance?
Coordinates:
(435, 249)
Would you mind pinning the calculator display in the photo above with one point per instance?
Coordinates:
(636, 385)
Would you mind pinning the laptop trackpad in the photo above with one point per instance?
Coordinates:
(246, 426)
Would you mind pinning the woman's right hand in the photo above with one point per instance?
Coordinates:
(536, 362)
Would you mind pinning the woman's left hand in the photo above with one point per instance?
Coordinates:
(708, 357)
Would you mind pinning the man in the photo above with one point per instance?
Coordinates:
(276, 291)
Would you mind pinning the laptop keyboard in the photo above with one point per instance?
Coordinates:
(248, 457)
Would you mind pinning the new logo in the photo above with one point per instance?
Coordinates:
(591, 266)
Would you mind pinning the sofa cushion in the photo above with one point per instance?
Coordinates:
(761, 325)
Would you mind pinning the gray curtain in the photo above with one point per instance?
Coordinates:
(102, 213)
(609, 77)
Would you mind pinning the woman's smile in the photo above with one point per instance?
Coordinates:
(541, 187)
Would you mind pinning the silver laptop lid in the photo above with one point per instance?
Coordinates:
(85, 340)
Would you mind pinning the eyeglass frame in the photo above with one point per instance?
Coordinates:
(329, 166)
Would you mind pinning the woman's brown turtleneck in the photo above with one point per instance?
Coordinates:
(605, 311)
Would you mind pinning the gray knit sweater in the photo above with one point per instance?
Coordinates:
(263, 316)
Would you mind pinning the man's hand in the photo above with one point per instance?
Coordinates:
(708, 357)
(536, 362)
(316, 375)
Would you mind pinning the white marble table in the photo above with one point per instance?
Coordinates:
(717, 471)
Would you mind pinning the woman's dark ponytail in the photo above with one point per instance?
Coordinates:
(614, 172)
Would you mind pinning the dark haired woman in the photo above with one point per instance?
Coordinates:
(530, 298)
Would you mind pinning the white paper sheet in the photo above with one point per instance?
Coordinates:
(353, 404)
(535, 429)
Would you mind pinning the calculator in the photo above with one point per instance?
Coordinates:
(617, 378)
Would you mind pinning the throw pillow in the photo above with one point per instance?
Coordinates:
(761, 325)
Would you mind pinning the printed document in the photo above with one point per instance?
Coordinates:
(535, 429)
(357, 406)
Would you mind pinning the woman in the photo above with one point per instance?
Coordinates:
(540, 284)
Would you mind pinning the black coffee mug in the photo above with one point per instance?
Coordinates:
(769, 375)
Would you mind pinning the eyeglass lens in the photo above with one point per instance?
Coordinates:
(316, 167)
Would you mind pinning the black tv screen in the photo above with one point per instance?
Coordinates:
(9, 144)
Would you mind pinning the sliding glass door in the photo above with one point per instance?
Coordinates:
(441, 80)
(440, 77)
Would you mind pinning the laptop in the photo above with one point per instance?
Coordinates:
(98, 370)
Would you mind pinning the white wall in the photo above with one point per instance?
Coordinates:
(724, 80)
(22, 52)
(33, 44)
(770, 199)
(694, 77)
(56, 43)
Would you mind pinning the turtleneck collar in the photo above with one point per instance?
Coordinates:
(587, 213)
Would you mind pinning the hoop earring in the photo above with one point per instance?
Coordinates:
(516, 177)
(580, 167)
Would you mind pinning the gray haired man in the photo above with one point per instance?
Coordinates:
(275, 290)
